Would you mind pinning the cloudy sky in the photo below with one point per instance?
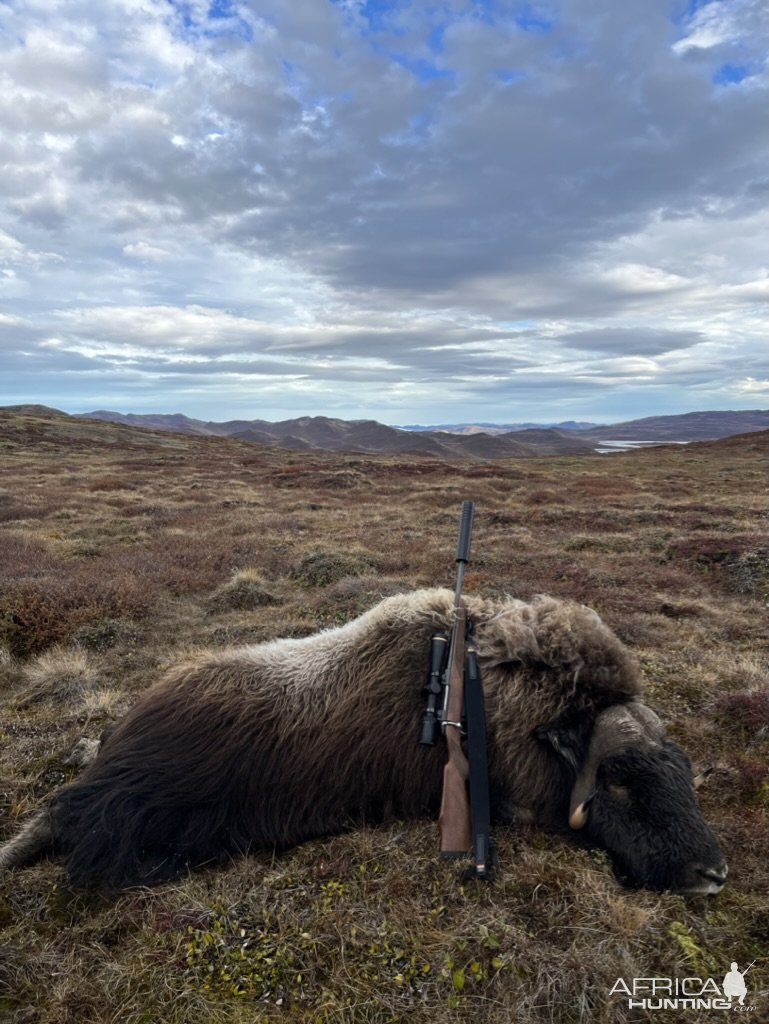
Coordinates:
(411, 210)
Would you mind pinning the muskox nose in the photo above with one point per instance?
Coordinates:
(706, 879)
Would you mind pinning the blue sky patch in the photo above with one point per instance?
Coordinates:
(531, 20)
(424, 70)
(221, 19)
(507, 77)
(221, 9)
(729, 74)
(435, 39)
(686, 10)
(380, 14)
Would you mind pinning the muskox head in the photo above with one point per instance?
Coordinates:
(633, 794)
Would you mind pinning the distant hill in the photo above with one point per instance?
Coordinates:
(44, 411)
(176, 422)
(690, 426)
(322, 433)
(478, 441)
(308, 433)
(497, 428)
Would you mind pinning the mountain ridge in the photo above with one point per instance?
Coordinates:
(323, 433)
(306, 433)
(472, 440)
(494, 428)
(707, 425)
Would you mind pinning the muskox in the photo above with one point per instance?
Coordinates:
(269, 745)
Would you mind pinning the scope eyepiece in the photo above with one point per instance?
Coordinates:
(429, 729)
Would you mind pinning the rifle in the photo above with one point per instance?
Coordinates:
(463, 818)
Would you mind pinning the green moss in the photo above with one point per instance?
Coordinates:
(692, 948)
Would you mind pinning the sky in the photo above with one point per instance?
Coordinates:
(415, 211)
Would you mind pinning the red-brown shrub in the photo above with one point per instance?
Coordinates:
(746, 710)
(188, 563)
(108, 483)
(37, 613)
(21, 555)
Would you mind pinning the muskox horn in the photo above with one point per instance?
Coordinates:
(578, 817)
(615, 729)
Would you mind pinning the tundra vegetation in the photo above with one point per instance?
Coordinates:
(123, 550)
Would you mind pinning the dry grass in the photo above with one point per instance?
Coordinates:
(60, 675)
(246, 590)
(121, 549)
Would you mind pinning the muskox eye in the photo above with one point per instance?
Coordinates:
(617, 792)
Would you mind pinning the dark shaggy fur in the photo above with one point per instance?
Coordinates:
(271, 745)
(645, 784)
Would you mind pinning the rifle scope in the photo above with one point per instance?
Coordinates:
(442, 645)
(438, 652)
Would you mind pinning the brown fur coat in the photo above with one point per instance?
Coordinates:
(272, 744)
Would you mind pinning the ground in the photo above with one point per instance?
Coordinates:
(121, 550)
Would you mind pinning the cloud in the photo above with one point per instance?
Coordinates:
(432, 201)
(145, 251)
(717, 23)
(641, 340)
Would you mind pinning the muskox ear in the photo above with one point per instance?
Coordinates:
(568, 735)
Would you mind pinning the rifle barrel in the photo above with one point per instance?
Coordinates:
(465, 531)
(463, 546)
(463, 554)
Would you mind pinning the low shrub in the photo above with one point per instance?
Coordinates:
(246, 591)
(107, 483)
(355, 594)
(104, 634)
(60, 674)
(745, 710)
(322, 568)
(187, 563)
(36, 614)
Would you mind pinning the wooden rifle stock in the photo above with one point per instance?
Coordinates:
(454, 817)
